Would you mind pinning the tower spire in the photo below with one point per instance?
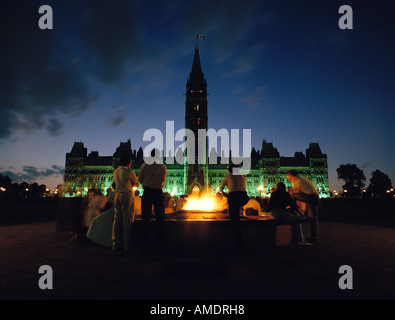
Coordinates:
(196, 172)
(196, 66)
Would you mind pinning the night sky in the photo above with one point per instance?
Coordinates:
(110, 70)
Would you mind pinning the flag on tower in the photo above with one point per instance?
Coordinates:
(199, 37)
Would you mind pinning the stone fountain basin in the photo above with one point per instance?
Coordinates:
(210, 231)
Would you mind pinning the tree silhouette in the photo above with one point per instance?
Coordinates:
(353, 177)
(379, 184)
(20, 190)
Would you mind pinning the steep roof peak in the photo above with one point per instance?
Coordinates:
(196, 66)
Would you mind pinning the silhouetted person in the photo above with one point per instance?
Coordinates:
(169, 203)
(152, 177)
(237, 197)
(137, 203)
(124, 179)
(253, 207)
(304, 190)
(283, 208)
(79, 219)
(100, 228)
(96, 205)
(181, 201)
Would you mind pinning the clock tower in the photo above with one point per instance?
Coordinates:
(196, 166)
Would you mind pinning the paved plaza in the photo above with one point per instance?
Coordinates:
(87, 271)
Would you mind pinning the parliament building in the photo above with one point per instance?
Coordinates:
(84, 171)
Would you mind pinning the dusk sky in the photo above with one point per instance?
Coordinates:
(110, 70)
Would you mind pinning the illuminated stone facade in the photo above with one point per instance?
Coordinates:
(84, 171)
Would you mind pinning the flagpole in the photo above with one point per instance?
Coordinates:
(198, 37)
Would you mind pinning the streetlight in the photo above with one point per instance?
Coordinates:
(260, 189)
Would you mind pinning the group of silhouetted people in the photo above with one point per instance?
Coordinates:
(297, 205)
(109, 220)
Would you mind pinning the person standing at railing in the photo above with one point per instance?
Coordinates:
(237, 198)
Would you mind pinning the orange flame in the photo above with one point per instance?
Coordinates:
(205, 201)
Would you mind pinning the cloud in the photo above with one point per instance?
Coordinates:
(231, 23)
(366, 165)
(255, 99)
(48, 74)
(115, 116)
(41, 78)
(32, 173)
(246, 61)
(54, 127)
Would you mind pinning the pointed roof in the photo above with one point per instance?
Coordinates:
(196, 81)
(196, 66)
(314, 151)
(268, 151)
(124, 148)
(78, 150)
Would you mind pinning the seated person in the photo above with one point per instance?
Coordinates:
(93, 205)
(181, 201)
(100, 229)
(283, 208)
(252, 208)
(169, 203)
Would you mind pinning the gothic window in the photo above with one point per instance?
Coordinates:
(198, 121)
(272, 179)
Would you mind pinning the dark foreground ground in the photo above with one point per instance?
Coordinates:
(87, 271)
(379, 212)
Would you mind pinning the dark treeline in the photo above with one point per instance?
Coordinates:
(380, 185)
(22, 190)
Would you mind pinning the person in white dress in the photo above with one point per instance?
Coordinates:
(100, 229)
